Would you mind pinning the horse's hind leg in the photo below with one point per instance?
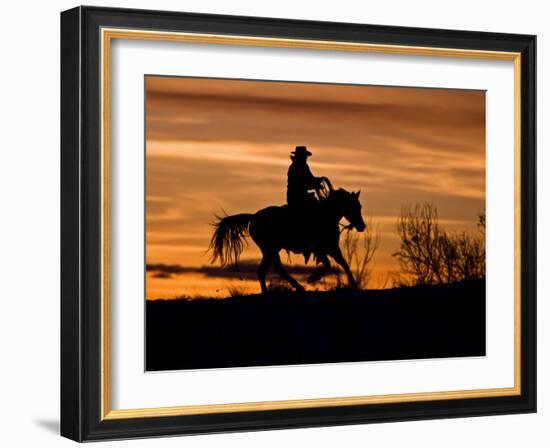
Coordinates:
(316, 276)
(279, 269)
(262, 271)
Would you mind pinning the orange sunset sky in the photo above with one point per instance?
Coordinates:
(216, 145)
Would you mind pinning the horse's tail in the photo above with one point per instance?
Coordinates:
(228, 240)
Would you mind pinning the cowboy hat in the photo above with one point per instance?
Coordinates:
(301, 151)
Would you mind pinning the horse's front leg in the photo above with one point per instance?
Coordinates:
(316, 276)
(339, 258)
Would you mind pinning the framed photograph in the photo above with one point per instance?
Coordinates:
(274, 223)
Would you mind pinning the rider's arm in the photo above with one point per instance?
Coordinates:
(311, 181)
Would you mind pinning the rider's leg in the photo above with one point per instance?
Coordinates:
(316, 276)
(279, 269)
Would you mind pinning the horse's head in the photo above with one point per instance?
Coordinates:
(350, 207)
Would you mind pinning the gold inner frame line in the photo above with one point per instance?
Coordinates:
(107, 35)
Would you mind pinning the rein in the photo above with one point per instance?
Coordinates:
(344, 227)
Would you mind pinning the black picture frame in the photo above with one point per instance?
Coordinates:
(81, 230)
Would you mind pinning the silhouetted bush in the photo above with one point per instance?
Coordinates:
(430, 255)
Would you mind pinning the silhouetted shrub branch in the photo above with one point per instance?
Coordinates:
(430, 255)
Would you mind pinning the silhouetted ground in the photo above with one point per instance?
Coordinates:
(317, 327)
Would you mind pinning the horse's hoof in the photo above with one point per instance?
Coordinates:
(313, 278)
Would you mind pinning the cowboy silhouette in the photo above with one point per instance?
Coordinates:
(302, 203)
(301, 181)
(305, 226)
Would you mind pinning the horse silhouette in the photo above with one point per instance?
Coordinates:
(274, 228)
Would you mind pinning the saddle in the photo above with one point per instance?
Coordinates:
(304, 216)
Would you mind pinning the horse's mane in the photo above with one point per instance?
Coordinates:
(340, 193)
(336, 199)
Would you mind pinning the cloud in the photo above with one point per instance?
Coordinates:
(245, 270)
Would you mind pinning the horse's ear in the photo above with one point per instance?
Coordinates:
(358, 193)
